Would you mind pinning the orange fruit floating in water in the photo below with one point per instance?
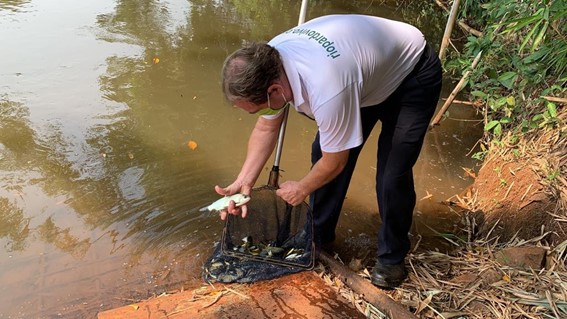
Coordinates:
(192, 145)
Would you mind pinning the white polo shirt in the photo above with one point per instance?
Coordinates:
(338, 64)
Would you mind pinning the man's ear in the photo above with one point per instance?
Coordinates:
(275, 88)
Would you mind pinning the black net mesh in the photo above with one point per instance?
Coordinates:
(274, 239)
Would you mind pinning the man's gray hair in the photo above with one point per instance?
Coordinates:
(248, 72)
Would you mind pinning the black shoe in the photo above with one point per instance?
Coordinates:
(388, 276)
(327, 247)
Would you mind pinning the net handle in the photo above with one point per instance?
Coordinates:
(275, 172)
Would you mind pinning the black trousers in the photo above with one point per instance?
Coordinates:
(405, 117)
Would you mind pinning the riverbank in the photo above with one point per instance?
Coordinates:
(301, 295)
(479, 279)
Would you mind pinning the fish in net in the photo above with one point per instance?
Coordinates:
(274, 239)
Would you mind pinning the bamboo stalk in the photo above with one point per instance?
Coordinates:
(461, 24)
(456, 90)
(363, 287)
(473, 103)
(555, 99)
(508, 191)
(526, 193)
(469, 29)
(449, 28)
(237, 293)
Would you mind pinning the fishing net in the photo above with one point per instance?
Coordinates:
(274, 239)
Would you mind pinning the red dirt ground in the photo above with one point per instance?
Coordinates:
(510, 194)
(302, 295)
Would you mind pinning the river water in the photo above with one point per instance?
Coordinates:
(113, 133)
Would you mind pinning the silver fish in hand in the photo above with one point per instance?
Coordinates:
(222, 203)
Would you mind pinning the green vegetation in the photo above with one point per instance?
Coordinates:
(520, 88)
(524, 64)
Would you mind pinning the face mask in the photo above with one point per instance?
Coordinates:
(270, 111)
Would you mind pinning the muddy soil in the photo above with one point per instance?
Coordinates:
(510, 201)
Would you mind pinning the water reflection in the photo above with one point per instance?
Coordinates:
(13, 5)
(98, 190)
(13, 225)
(16, 146)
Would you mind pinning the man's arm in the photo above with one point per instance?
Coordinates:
(260, 146)
(327, 167)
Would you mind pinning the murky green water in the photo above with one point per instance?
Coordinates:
(99, 190)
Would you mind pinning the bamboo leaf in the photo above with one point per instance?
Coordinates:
(537, 117)
(507, 79)
(510, 100)
(490, 125)
(529, 35)
(540, 36)
(519, 23)
(479, 94)
(498, 129)
(502, 101)
(558, 15)
(552, 110)
(506, 120)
